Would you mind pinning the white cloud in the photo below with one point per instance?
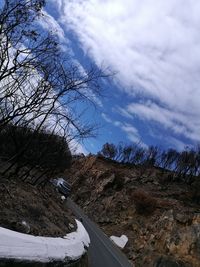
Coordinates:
(130, 131)
(155, 47)
(57, 3)
(49, 23)
(77, 148)
(180, 123)
(106, 118)
(177, 143)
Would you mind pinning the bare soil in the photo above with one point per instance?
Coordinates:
(41, 208)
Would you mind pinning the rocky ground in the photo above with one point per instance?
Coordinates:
(160, 217)
(33, 210)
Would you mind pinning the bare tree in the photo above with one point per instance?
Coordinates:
(109, 150)
(36, 80)
(184, 165)
(39, 86)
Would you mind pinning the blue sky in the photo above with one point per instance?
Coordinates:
(154, 48)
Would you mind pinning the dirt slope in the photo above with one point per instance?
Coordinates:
(159, 216)
(29, 209)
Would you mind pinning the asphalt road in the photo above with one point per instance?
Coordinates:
(102, 252)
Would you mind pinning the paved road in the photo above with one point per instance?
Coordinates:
(102, 252)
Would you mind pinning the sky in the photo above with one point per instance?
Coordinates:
(153, 47)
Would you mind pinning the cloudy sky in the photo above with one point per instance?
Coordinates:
(153, 46)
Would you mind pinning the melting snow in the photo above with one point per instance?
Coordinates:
(120, 241)
(63, 198)
(14, 245)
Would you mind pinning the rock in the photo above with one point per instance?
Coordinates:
(196, 218)
(134, 256)
(106, 183)
(181, 242)
(183, 218)
(104, 219)
(167, 262)
(127, 180)
(135, 227)
(107, 202)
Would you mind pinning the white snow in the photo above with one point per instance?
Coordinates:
(28, 228)
(71, 225)
(14, 245)
(63, 198)
(120, 241)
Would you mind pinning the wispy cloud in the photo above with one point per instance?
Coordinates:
(177, 143)
(179, 122)
(155, 47)
(106, 118)
(130, 131)
(49, 23)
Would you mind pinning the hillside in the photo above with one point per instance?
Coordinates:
(160, 217)
(33, 210)
(29, 203)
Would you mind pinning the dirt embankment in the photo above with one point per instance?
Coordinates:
(29, 209)
(160, 217)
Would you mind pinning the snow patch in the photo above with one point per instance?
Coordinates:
(27, 226)
(120, 241)
(63, 198)
(15, 245)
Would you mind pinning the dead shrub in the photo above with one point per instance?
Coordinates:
(144, 202)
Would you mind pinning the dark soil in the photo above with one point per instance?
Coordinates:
(41, 208)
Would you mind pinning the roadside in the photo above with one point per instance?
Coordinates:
(34, 210)
(102, 252)
(159, 216)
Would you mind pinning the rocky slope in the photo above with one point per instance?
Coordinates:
(160, 217)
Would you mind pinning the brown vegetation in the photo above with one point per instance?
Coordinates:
(144, 202)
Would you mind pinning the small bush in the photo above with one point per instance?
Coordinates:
(144, 202)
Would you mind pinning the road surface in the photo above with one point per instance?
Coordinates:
(102, 252)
